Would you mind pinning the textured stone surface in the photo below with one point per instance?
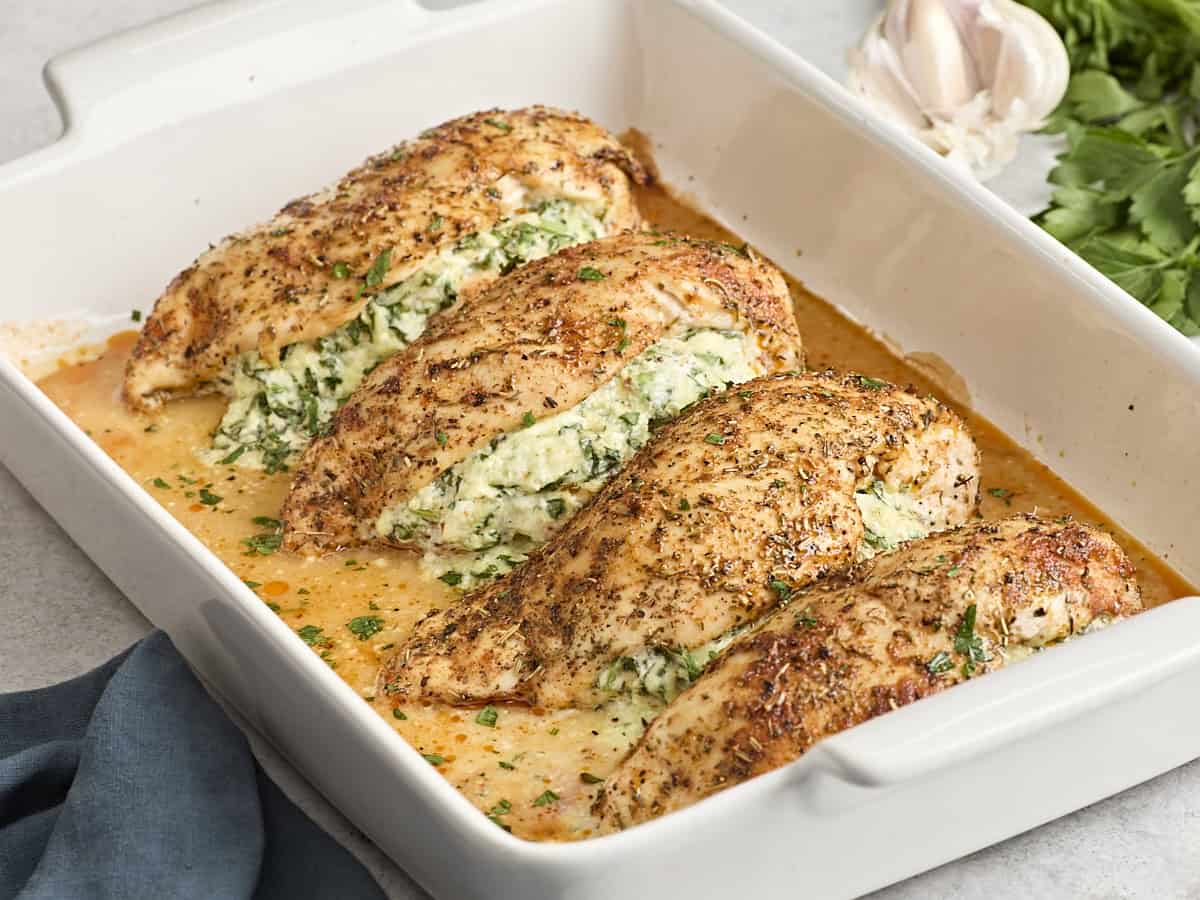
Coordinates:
(63, 616)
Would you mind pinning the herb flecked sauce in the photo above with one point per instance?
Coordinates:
(532, 770)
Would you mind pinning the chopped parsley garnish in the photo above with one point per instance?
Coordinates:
(806, 619)
(589, 778)
(266, 522)
(160, 484)
(441, 438)
(234, 456)
(263, 544)
(502, 808)
(506, 765)
(435, 759)
(487, 717)
(546, 797)
(500, 124)
(379, 269)
(684, 505)
(940, 663)
(555, 507)
(781, 588)
(714, 438)
(590, 273)
(527, 420)
(451, 578)
(1002, 494)
(967, 643)
(253, 585)
(208, 498)
(399, 714)
(363, 627)
(135, 315)
(341, 270)
(872, 384)
(311, 635)
(435, 223)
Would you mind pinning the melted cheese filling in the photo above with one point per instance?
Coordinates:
(890, 517)
(275, 411)
(481, 517)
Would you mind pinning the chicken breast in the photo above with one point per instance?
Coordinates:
(514, 408)
(379, 252)
(903, 626)
(747, 497)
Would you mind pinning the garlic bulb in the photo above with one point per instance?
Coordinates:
(968, 77)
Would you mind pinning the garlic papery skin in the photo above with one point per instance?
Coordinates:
(967, 77)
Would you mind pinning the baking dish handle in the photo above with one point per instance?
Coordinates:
(148, 74)
(982, 715)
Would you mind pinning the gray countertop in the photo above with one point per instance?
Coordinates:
(64, 616)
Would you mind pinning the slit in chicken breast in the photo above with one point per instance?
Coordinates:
(478, 442)
(898, 628)
(288, 317)
(746, 498)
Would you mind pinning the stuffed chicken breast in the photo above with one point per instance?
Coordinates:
(479, 441)
(901, 627)
(746, 498)
(287, 317)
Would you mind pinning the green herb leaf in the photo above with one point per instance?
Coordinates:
(364, 627)
(135, 315)
(589, 778)
(399, 714)
(545, 798)
(379, 269)
(487, 717)
(434, 759)
(527, 420)
(499, 123)
(715, 439)
(941, 662)
(160, 484)
(872, 384)
(451, 578)
(208, 498)
(588, 273)
(310, 634)
(341, 270)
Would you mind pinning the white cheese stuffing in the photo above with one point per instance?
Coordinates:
(661, 671)
(275, 411)
(890, 517)
(480, 518)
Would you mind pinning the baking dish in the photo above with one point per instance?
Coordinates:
(195, 125)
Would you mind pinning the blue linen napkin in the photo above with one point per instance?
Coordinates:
(131, 782)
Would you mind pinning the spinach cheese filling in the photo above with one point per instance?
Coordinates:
(275, 411)
(890, 517)
(481, 517)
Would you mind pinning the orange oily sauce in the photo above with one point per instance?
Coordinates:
(533, 770)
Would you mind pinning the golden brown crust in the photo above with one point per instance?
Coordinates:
(276, 284)
(862, 645)
(752, 485)
(535, 343)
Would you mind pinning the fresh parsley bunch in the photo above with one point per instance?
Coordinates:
(1127, 190)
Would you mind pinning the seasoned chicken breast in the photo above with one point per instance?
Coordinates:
(483, 437)
(901, 627)
(286, 317)
(747, 497)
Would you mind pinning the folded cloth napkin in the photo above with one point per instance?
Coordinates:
(131, 782)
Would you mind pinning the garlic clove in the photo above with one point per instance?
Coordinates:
(967, 77)
(934, 56)
(875, 73)
(1033, 64)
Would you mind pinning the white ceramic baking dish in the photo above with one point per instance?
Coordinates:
(185, 130)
